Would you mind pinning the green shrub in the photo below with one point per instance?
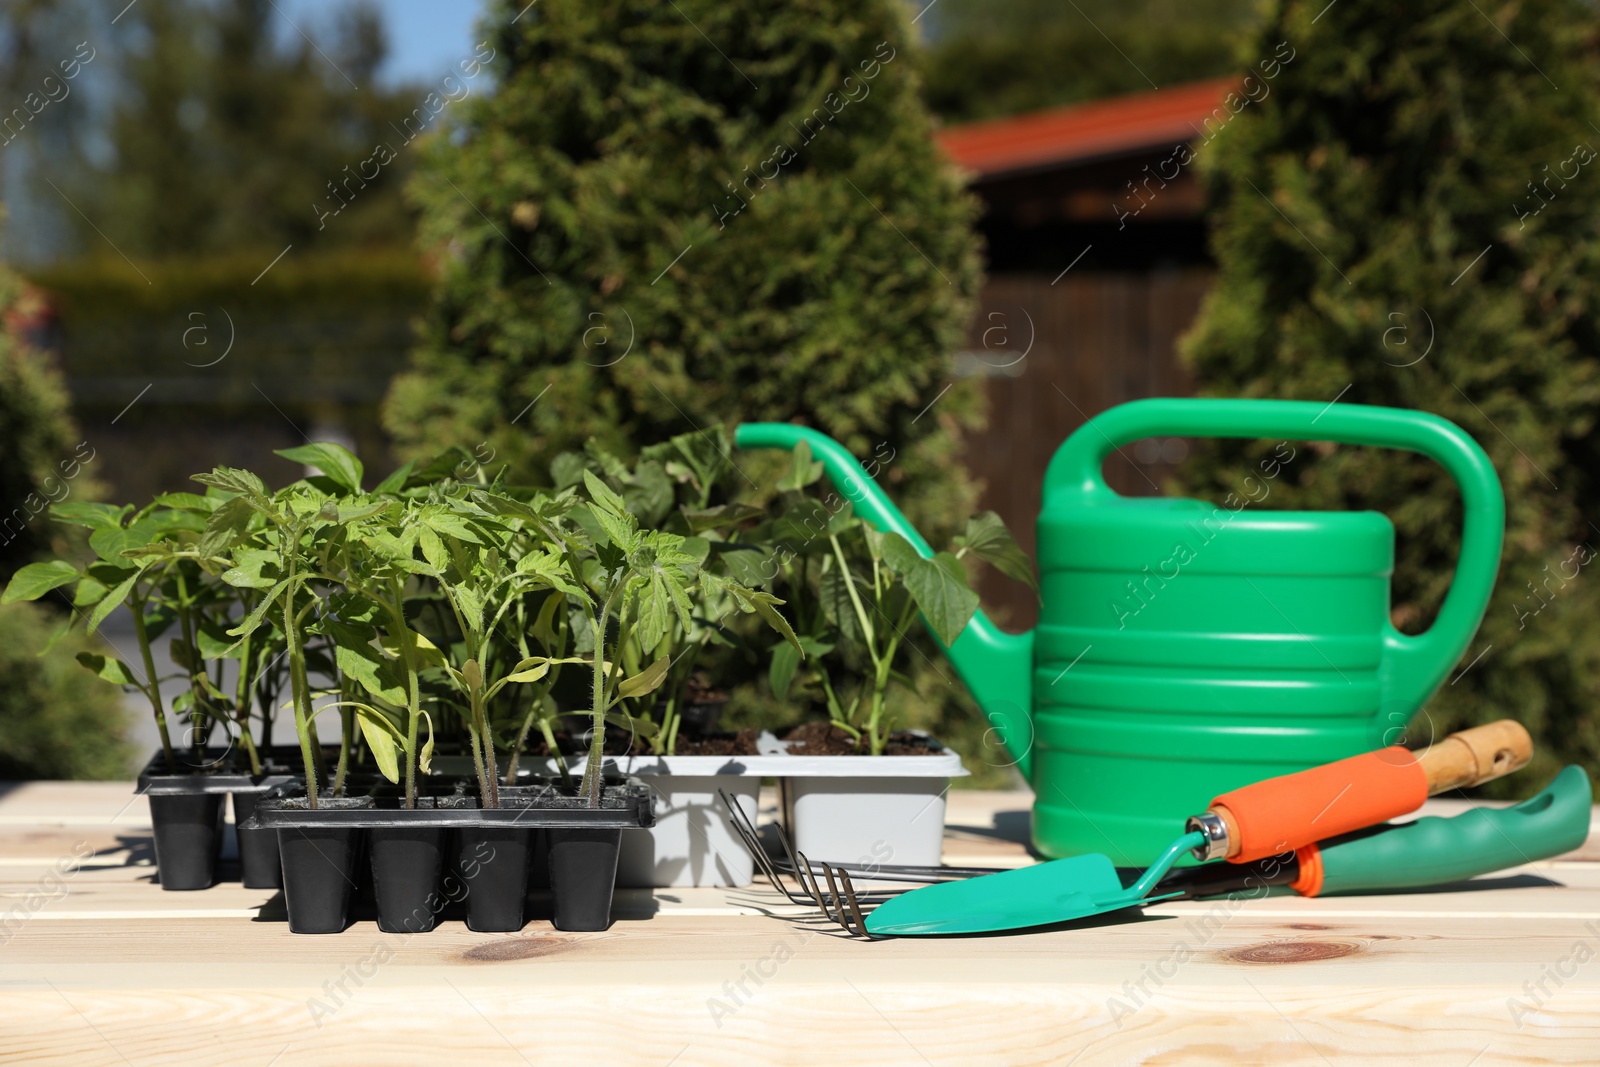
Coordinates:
(1391, 233)
(37, 443)
(988, 58)
(56, 719)
(762, 224)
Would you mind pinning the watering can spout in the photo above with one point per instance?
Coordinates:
(997, 666)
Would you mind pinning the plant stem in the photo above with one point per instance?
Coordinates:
(597, 736)
(241, 699)
(201, 708)
(855, 598)
(407, 644)
(522, 739)
(347, 731)
(561, 760)
(152, 687)
(300, 692)
(487, 778)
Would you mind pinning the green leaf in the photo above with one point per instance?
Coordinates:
(802, 471)
(112, 670)
(427, 652)
(603, 496)
(655, 613)
(110, 542)
(214, 642)
(641, 727)
(780, 672)
(646, 681)
(812, 647)
(113, 597)
(228, 526)
(747, 564)
(383, 738)
(940, 588)
(720, 516)
(529, 673)
(335, 461)
(763, 604)
(649, 493)
(37, 579)
(543, 628)
(898, 553)
(85, 513)
(233, 480)
(396, 481)
(620, 527)
(425, 757)
(433, 550)
(838, 608)
(567, 469)
(449, 523)
(471, 606)
(248, 624)
(988, 538)
(254, 568)
(188, 502)
(358, 658)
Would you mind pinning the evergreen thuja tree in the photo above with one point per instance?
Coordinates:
(672, 215)
(1410, 220)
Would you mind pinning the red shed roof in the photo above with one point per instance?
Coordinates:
(1082, 132)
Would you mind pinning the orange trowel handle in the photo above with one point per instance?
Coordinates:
(1295, 810)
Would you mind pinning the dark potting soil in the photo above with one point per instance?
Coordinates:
(826, 739)
(742, 743)
(619, 743)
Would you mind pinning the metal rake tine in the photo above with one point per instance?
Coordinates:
(855, 905)
(789, 849)
(814, 888)
(833, 889)
(752, 843)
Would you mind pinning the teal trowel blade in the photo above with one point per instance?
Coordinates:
(1045, 893)
(1010, 900)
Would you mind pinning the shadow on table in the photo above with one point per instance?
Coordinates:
(1014, 826)
(1471, 885)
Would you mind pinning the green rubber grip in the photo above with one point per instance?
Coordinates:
(1434, 850)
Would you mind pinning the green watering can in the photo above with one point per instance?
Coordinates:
(1185, 649)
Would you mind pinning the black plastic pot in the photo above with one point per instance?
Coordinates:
(702, 719)
(186, 811)
(408, 854)
(259, 864)
(320, 868)
(406, 864)
(583, 876)
(493, 863)
(188, 838)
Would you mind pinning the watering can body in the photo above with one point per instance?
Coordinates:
(1187, 648)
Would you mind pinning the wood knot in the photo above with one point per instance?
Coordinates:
(1307, 926)
(519, 948)
(1292, 951)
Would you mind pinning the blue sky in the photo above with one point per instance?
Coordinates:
(426, 37)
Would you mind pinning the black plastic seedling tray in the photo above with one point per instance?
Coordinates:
(447, 851)
(186, 813)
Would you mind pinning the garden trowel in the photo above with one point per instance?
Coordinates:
(1288, 814)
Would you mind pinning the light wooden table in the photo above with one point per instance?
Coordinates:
(111, 970)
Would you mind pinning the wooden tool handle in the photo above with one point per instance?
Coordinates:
(1295, 810)
(1474, 756)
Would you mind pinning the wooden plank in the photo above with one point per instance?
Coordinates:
(114, 970)
(1252, 991)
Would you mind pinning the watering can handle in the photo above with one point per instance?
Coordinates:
(1417, 664)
